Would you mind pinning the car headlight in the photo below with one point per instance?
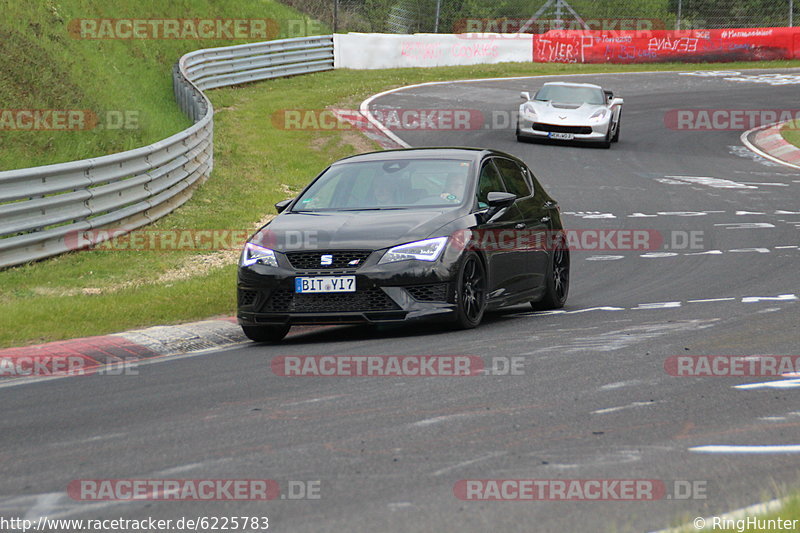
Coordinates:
(254, 253)
(598, 116)
(528, 112)
(427, 250)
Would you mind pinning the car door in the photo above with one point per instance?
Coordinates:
(549, 213)
(496, 236)
(531, 229)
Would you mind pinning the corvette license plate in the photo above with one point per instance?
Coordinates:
(565, 136)
(325, 284)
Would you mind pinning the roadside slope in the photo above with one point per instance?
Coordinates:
(47, 65)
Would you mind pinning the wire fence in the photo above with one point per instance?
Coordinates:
(538, 16)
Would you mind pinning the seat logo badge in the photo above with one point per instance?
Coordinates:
(354, 262)
(326, 260)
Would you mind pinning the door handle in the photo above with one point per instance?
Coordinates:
(545, 219)
(521, 225)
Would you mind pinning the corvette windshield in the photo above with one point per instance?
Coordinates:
(565, 94)
(387, 184)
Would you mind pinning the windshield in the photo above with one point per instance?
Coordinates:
(394, 184)
(565, 94)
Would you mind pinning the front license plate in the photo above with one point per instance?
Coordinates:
(565, 136)
(325, 284)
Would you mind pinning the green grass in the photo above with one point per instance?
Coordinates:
(789, 510)
(44, 67)
(256, 165)
(791, 132)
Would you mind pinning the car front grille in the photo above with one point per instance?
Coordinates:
(557, 128)
(429, 293)
(339, 259)
(287, 301)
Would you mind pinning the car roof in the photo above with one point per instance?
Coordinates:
(472, 154)
(572, 84)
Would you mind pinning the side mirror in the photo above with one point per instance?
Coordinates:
(498, 201)
(525, 95)
(617, 101)
(282, 205)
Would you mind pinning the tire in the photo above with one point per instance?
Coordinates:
(615, 138)
(265, 333)
(520, 138)
(606, 143)
(470, 292)
(556, 281)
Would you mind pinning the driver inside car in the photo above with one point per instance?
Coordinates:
(385, 192)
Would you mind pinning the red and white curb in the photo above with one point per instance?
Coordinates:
(768, 142)
(92, 354)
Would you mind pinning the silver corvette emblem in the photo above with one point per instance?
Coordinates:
(326, 260)
(562, 118)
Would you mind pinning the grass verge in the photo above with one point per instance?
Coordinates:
(791, 132)
(256, 165)
(47, 64)
(786, 518)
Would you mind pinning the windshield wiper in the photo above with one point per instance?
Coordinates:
(372, 209)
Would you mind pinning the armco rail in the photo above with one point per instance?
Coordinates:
(44, 209)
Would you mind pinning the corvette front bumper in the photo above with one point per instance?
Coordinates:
(569, 132)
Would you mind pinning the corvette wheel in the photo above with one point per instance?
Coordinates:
(520, 138)
(606, 143)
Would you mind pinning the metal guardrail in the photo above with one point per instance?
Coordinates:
(44, 210)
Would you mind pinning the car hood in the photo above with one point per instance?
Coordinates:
(551, 113)
(361, 230)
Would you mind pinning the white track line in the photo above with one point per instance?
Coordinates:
(765, 448)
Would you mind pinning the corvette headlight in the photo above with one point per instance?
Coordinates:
(528, 112)
(598, 116)
(254, 253)
(427, 250)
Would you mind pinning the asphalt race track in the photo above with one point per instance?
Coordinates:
(594, 400)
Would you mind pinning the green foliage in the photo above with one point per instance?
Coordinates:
(791, 132)
(44, 66)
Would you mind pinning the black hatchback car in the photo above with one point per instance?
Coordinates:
(397, 235)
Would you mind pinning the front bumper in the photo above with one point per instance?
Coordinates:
(390, 293)
(579, 132)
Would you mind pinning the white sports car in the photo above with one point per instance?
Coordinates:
(570, 112)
